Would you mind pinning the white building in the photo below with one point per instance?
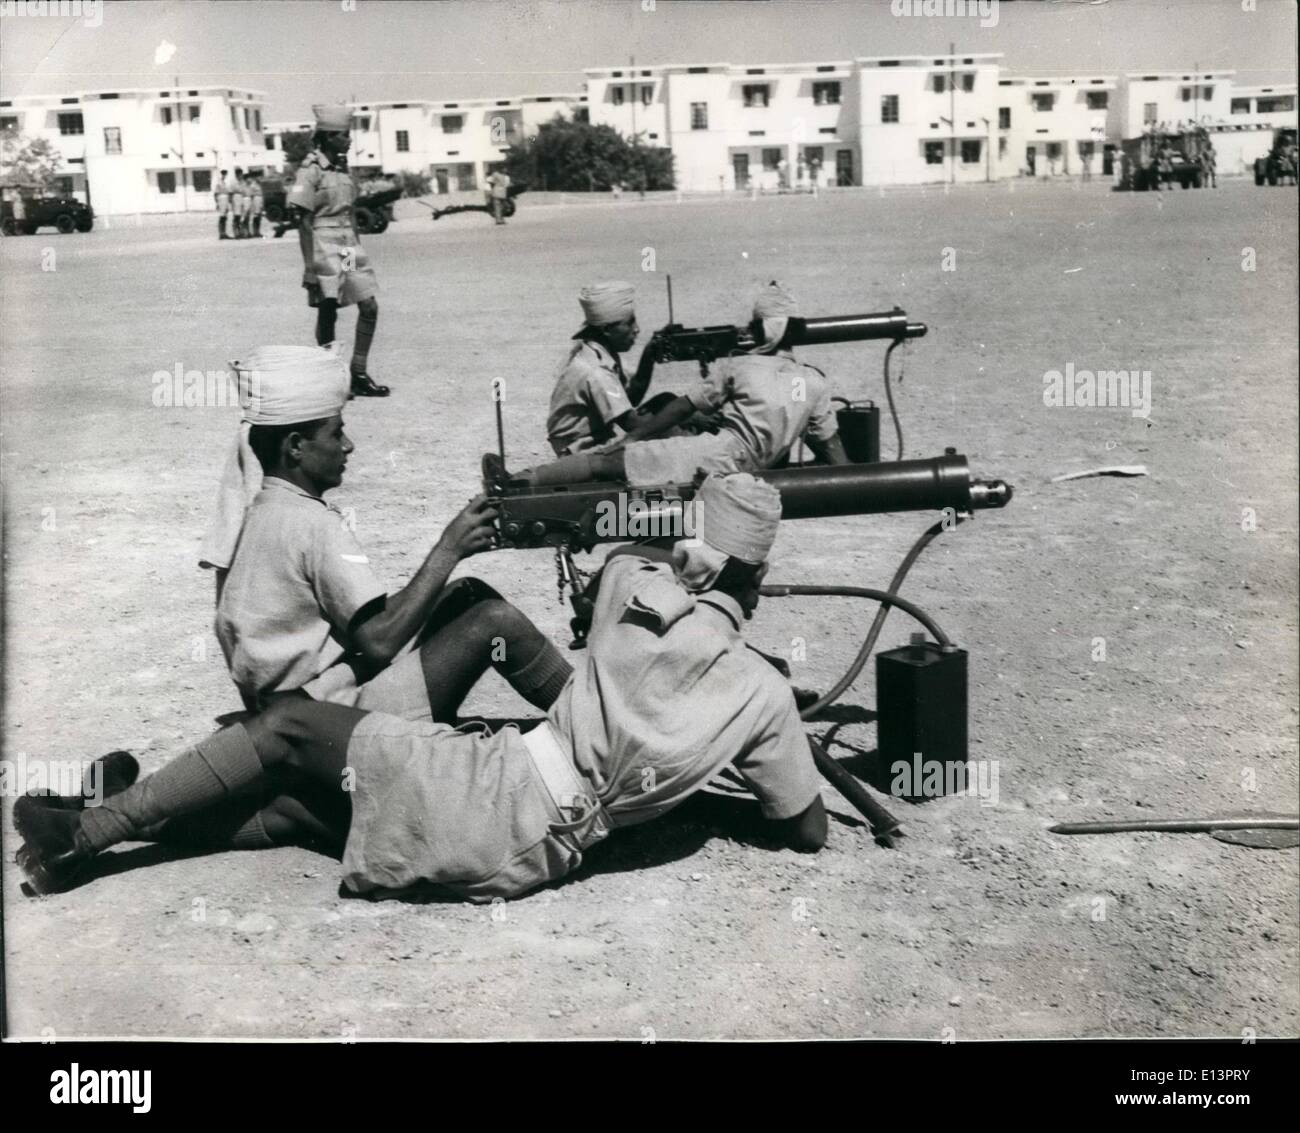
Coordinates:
(1054, 126)
(135, 151)
(874, 120)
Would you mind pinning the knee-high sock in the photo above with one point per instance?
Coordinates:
(233, 824)
(361, 347)
(209, 772)
(539, 681)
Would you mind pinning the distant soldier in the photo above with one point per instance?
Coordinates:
(1210, 162)
(238, 203)
(1165, 165)
(499, 190)
(255, 205)
(336, 269)
(223, 203)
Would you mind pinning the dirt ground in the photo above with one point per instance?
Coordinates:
(981, 924)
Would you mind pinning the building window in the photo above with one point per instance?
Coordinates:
(934, 153)
(647, 95)
(269, 139)
(1097, 99)
(403, 141)
(234, 117)
(756, 94)
(771, 159)
(1043, 102)
(699, 115)
(1241, 106)
(616, 94)
(247, 120)
(465, 176)
(1274, 105)
(362, 123)
(826, 94)
(1148, 113)
(582, 114)
(112, 139)
(166, 183)
(10, 122)
(971, 149)
(70, 124)
(813, 155)
(452, 123)
(196, 109)
(940, 83)
(1086, 150)
(1004, 117)
(1002, 147)
(166, 112)
(257, 120)
(203, 180)
(65, 186)
(1053, 151)
(889, 108)
(968, 82)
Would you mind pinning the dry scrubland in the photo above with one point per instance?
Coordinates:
(981, 921)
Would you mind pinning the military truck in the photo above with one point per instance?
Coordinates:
(1140, 160)
(1279, 166)
(67, 214)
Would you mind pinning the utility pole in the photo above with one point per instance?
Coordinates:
(1196, 93)
(180, 126)
(635, 90)
(952, 108)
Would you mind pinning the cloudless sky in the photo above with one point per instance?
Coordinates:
(303, 51)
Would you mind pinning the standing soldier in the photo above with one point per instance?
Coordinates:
(238, 203)
(223, 204)
(255, 205)
(336, 269)
(1209, 162)
(499, 188)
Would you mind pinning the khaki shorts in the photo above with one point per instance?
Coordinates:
(466, 810)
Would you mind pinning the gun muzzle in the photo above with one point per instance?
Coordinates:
(870, 489)
(853, 328)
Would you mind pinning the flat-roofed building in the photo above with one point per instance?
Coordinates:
(1050, 127)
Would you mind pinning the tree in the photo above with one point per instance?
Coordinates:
(29, 163)
(577, 157)
(297, 145)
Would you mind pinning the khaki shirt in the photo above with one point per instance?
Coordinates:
(590, 395)
(774, 403)
(297, 580)
(669, 695)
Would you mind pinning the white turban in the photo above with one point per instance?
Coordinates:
(336, 117)
(605, 303)
(278, 385)
(774, 306)
(737, 517)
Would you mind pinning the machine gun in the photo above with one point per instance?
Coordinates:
(921, 689)
(676, 343)
(573, 517)
(858, 422)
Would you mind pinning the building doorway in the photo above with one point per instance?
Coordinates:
(1031, 159)
(740, 167)
(440, 181)
(1108, 160)
(844, 167)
